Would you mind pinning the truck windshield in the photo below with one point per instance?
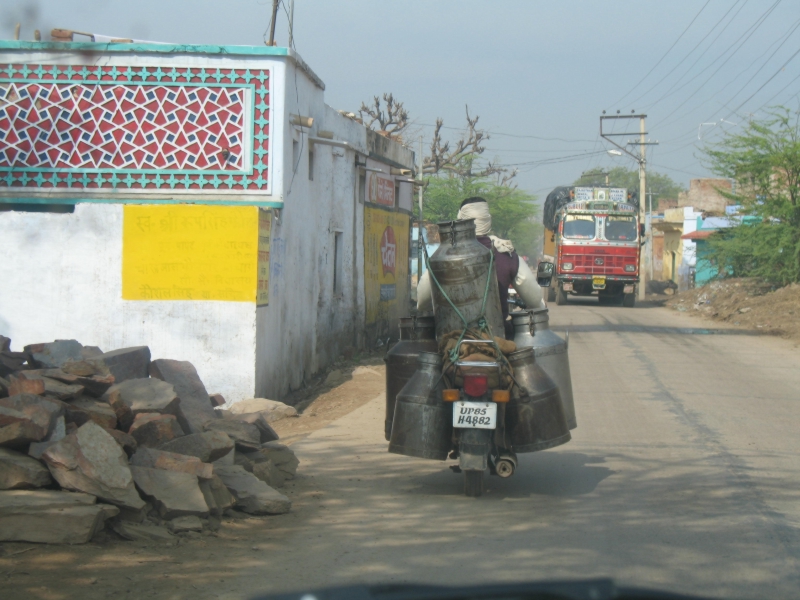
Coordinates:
(621, 229)
(579, 227)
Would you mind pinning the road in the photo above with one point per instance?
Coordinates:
(683, 474)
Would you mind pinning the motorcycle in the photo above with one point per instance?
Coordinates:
(481, 400)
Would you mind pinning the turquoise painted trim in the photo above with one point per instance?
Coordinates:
(265, 204)
(144, 47)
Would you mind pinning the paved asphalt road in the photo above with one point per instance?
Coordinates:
(683, 474)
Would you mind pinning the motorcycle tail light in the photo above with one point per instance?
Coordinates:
(630, 268)
(450, 395)
(476, 385)
(567, 266)
(500, 396)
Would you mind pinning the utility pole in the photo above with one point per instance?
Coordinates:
(642, 205)
(420, 239)
(272, 23)
(291, 23)
(641, 158)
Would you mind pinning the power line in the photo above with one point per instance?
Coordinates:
(664, 55)
(511, 135)
(786, 37)
(752, 29)
(690, 52)
(764, 84)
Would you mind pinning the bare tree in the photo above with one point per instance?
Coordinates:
(389, 121)
(459, 160)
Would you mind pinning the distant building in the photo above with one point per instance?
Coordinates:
(704, 196)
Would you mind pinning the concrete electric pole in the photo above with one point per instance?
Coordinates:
(642, 160)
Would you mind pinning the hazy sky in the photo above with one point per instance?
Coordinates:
(538, 72)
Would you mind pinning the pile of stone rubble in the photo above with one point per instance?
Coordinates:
(90, 440)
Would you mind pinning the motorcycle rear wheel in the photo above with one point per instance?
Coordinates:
(473, 484)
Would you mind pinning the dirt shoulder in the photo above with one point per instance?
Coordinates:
(747, 303)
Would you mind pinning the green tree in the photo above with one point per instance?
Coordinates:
(661, 186)
(513, 211)
(764, 161)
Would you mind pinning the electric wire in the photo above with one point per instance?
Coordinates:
(663, 79)
(752, 29)
(664, 55)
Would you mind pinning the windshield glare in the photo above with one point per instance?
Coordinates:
(579, 227)
(620, 229)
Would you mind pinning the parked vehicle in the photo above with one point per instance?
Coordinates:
(594, 237)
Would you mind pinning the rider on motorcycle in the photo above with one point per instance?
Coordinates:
(510, 269)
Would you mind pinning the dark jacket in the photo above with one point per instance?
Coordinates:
(506, 265)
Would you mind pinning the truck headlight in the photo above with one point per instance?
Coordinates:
(630, 268)
(566, 266)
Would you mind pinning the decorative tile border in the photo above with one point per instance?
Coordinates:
(145, 129)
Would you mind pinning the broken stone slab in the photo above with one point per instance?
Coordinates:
(216, 400)
(173, 493)
(271, 409)
(246, 436)
(268, 473)
(267, 433)
(40, 419)
(4, 385)
(135, 396)
(91, 461)
(12, 362)
(53, 388)
(138, 532)
(36, 449)
(170, 461)
(184, 524)
(125, 441)
(280, 455)
(19, 384)
(51, 517)
(95, 385)
(241, 460)
(59, 431)
(85, 409)
(207, 446)
(125, 363)
(153, 429)
(54, 354)
(252, 495)
(216, 495)
(195, 404)
(19, 472)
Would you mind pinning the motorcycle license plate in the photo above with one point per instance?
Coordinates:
(599, 283)
(474, 415)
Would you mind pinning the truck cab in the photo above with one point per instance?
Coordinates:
(595, 246)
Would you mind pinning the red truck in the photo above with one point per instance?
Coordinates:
(593, 236)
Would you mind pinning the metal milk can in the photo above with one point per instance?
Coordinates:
(535, 414)
(461, 266)
(423, 423)
(532, 328)
(417, 334)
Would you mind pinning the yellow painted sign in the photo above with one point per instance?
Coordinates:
(191, 252)
(264, 227)
(385, 260)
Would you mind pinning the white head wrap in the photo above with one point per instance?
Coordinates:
(483, 223)
(480, 212)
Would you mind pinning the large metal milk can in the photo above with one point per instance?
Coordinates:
(417, 334)
(533, 329)
(535, 414)
(461, 266)
(423, 423)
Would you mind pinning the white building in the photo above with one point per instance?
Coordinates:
(181, 197)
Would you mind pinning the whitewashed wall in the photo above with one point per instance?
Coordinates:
(61, 278)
